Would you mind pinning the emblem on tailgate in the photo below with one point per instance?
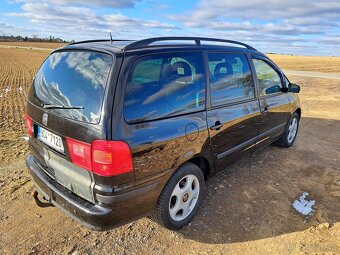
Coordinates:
(45, 119)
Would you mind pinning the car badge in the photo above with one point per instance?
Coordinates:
(45, 119)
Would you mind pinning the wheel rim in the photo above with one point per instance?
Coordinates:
(292, 130)
(184, 197)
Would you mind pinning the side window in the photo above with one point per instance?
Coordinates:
(230, 78)
(269, 79)
(141, 75)
(164, 85)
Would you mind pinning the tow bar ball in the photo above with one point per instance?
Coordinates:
(39, 202)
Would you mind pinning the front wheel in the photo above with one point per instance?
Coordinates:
(181, 196)
(289, 136)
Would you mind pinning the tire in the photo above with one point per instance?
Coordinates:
(179, 201)
(288, 138)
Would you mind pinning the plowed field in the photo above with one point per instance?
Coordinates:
(17, 69)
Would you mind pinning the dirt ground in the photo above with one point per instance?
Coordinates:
(247, 209)
(46, 45)
(307, 63)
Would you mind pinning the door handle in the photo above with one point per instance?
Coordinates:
(265, 110)
(217, 126)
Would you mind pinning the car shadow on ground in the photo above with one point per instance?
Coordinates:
(252, 199)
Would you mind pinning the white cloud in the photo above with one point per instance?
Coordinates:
(269, 25)
(101, 3)
(5, 28)
(288, 26)
(68, 21)
(270, 17)
(121, 21)
(261, 10)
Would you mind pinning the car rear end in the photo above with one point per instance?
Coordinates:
(73, 161)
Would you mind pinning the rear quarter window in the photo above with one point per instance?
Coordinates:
(163, 85)
(74, 78)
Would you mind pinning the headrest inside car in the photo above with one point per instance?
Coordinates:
(182, 72)
(223, 70)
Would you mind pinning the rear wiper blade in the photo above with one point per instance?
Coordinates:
(55, 106)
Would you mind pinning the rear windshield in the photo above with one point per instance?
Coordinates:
(74, 78)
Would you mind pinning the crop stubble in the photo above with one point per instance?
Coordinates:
(17, 69)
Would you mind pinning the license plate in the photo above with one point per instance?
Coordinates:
(50, 139)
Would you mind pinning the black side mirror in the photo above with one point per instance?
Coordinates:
(294, 88)
(273, 89)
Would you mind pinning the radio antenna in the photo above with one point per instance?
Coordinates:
(111, 37)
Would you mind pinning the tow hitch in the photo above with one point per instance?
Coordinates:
(40, 203)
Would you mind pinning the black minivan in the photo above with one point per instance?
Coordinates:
(122, 128)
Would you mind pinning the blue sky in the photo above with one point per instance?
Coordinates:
(291, 26)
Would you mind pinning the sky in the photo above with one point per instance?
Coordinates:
(300, 27)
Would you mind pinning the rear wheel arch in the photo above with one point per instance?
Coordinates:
(200, 161)
(163, 206)
(203, 164)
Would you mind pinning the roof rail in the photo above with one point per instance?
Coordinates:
(100, 40)
(147, 42)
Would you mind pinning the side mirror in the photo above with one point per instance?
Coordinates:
(294, 88)
(273, 89)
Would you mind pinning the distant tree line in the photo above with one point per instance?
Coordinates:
(273, 53)
(34, 38)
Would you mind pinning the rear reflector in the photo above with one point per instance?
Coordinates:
(80, 153)
(111, 158)
(105, 158)
(29, 125)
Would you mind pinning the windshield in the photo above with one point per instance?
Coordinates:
(74, 78)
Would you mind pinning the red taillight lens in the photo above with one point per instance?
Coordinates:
(105, 158)
(111, 158)
(29, 125)
(80, 153)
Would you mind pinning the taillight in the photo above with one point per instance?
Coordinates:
(80, 153)
(29, 125)
(111, 158)
(105, 158)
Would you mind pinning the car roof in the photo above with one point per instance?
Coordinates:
(157, 43)
(99, 45)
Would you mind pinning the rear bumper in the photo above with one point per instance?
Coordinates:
(120, 209)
